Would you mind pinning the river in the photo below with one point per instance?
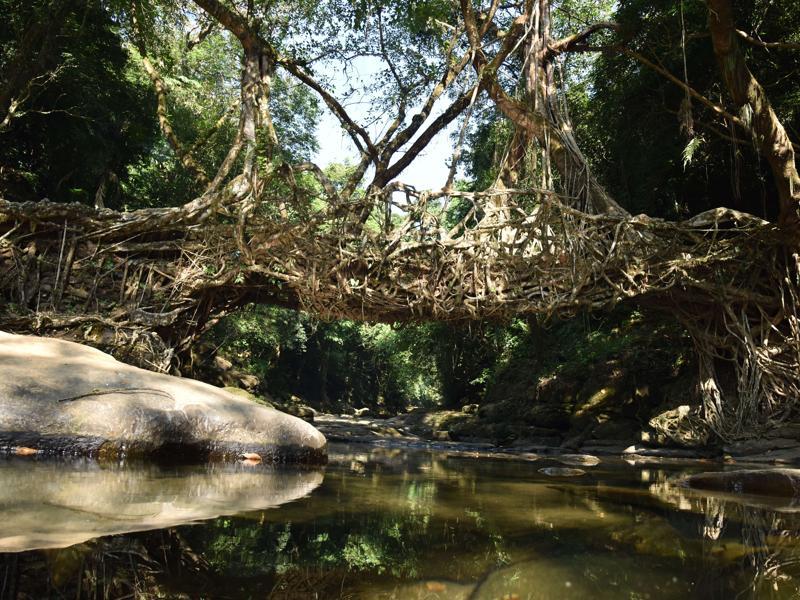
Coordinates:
(384, 523)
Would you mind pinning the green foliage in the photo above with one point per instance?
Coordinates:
(487, 144)
(86, 121)
(332, 365)
(631, 124)
(690, 150)
(95, 119)
(465, 356)
(96, 122)
(202, 90)
(578, 352)
(295, 112)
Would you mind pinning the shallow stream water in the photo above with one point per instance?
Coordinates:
(381, 523)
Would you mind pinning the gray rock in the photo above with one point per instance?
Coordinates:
(605, 450)
(664, 452)
(562, 472)
(301, 411)
(683, 425)
(579, 575)
(783, 483)
(262, 399)
(786, 430)
(783, 456)
(578, 460)
(551, 416)
(65, 398)
(760, 445)
(432, 589)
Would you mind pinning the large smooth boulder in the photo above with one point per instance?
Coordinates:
(62, 397)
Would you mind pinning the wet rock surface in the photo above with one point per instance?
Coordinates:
(782, 483)
(638, 450)
(59, 397)
(562, 472)
(393, 434)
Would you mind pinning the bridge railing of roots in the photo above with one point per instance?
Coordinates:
(158, 277)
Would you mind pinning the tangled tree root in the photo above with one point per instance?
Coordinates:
(147, 283)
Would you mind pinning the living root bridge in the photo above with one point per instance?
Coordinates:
(148, 282)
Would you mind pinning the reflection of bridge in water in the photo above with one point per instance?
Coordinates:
(754, 534)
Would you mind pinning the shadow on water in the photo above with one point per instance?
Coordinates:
(386, 524)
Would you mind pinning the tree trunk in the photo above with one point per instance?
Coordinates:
(748, 95)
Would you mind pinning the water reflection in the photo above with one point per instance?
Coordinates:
(58, 504)
(755, 536)
(393, 524)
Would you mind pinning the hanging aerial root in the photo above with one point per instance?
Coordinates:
(749, 352)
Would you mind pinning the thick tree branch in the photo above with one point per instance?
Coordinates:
(205, 30)
(258, 68)
(450, 74)
(231, 21)
(357, 133)
(442, 121)
(319, 174)
(184, 156)
(567, 158)
(768, 132)
(230, 158)
(767, 45)
(578, 42)
(209, 133)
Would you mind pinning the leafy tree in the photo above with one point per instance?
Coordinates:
(683, 161)
(84, 118)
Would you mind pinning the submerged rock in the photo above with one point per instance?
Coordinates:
(784, 483)
(427, 590)
(562, 472)
(60, 397)
(437, 589)
(580, 575)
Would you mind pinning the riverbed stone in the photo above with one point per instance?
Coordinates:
(577, 460)
(783, 456)
(638, 450)
(783, 483)
(59, 397)
(577, 576)
(760, 445)
(562, 472)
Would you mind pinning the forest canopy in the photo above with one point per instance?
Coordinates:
(80, 106)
